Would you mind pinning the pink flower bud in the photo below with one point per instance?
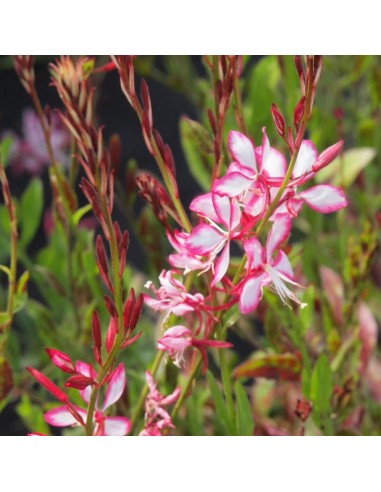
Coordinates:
(111, 333)
(328, 155)
(278, 120)
(61, 360)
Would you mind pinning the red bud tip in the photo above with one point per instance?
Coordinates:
(328, 155)
(96, 329)
(111, 333)
(278, 120)
(110, 306)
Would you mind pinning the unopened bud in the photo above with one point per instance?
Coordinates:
(278, 120)
(328, 155)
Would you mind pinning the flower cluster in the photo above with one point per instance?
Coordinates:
(257, 181)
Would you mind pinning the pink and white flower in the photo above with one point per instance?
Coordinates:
(210, 239)
(265, 270)
(157, 418)
(104, 425)
(176, 339)
(172, 296)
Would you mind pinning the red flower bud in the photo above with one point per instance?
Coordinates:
(278, 120)
(48, 384)
(110, 306)
(299, 112)
(79, 381)
(111, 333)
(102, 262)
(96, 329)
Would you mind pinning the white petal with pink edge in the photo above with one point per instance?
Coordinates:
(282, 265)
(255, 252)
(222, 264)
(307, 156)
(242, 149)
(232, 184)
(117, 426)
(203, 239)
(61, 417)
(273, 164)
(203, 205)
(324, 198)
(278, 233)
(251, 294)
(115, 387)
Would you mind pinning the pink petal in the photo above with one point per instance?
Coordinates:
(232, 184)
(274, 164)
(115, 387)
(324, 198)
(242, 149)
(203, 240)
(88, 371)
(255, 252)
(251, 294)
(203, 205)
(307, 156)
(278, 233)
(222, 264)
(61, 417)
(116, 426)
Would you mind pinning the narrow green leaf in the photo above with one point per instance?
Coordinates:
(198, 150)
(321, 388)
(245, 423)
(221, 409)
(5, 147)
(77, 216)
(30, 211)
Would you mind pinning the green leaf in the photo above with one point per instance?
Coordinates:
(23, 283)
(5, 147)
(77, 216)
(262, 89)
(30, 210)
(321, 388)
(344, 169)
(306, 314)
(245, 423)
(198, 149)
(5, 269)
(32, 416)
(221, 409)
(4, 318)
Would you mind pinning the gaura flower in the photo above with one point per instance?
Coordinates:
(176, 339)
(263, 269)
(210, 239)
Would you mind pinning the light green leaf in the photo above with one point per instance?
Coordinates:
(344, 169)
(245, 423)
(30, 210)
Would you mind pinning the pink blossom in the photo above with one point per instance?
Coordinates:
(264, 270)
(172, 296)
(104, 425)
(157, 419)
(210, 239)
(29, 153)
(176, 339)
